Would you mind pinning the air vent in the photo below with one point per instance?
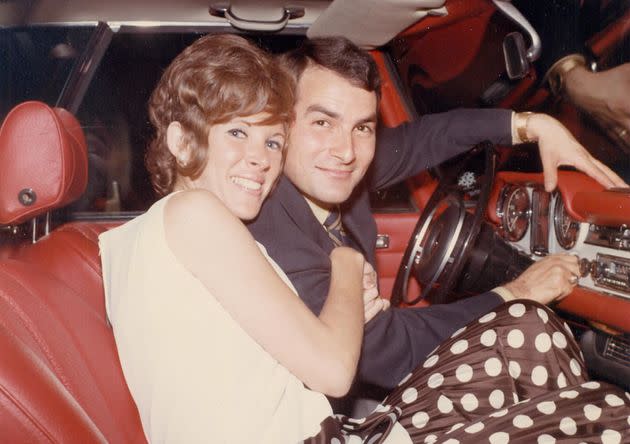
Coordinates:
(617, 349)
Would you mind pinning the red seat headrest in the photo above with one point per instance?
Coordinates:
(43, 161)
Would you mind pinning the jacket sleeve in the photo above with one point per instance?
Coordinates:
(396, 341)
(405, 150)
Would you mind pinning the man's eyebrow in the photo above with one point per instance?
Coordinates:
(322, 109)
(335, 115)
(369, 119)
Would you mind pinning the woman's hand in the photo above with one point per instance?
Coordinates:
(347, 262)
(372, 302)
(549, 279)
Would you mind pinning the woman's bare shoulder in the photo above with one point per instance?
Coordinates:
(198, 215)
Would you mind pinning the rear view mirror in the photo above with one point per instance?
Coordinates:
(515, 53)
(517, 56)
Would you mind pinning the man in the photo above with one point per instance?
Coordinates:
(332, 163)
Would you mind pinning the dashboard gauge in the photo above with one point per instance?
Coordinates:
(513, 208)
(566, 228)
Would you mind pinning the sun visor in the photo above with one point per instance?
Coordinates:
(14, 12)
(372, 23)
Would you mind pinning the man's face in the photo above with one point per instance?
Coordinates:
(332, 141)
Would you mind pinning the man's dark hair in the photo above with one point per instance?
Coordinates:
(339, 55)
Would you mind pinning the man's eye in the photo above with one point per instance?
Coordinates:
(324, 123)
(236, 132)
(365, 129)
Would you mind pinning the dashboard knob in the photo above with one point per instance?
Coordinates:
(596, 270)
(585, 267)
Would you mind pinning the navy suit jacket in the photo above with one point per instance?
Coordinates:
(396, 340)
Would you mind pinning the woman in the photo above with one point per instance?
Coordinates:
(214, 344)
(188, 288)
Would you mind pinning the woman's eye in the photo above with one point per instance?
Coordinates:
(274, 145)
(236, 132)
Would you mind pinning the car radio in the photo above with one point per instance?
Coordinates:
(608, 271)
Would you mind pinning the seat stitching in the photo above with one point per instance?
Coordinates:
(16, 402)
(28, 324)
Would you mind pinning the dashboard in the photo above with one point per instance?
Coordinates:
(580, 218)
(538, 223)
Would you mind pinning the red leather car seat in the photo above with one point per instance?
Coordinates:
(43, 160)
(60, 377)
(71, 254)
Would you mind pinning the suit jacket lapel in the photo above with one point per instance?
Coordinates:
(358, 222)
(300, 213)
(356, 217)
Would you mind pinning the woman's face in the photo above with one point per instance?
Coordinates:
(244, 160)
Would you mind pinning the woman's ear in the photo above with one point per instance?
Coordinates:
(177, 142)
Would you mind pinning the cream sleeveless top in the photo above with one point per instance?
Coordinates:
(193, 372)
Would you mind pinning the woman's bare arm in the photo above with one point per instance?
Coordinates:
(215, 246)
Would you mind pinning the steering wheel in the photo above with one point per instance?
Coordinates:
(444, 235)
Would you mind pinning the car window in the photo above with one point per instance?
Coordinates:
(113, 112)
(36, 65)
(114, 116)
(35, 62)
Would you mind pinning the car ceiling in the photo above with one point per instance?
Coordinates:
(369, 23)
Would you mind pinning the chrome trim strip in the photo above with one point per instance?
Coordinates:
(115, 25)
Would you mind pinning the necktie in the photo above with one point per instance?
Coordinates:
(333, 226)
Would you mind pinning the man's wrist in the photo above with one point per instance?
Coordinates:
(505, 294)
(556, 75)
(520, 122)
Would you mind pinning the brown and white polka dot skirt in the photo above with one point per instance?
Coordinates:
(516, 375)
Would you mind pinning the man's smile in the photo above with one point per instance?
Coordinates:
(338, 173)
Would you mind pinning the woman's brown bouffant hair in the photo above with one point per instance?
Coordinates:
(215, 79)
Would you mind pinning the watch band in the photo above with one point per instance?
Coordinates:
(520, 124)
(557, 73)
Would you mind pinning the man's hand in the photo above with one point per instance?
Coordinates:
(549, 279)
(372, 302)
(558, 147)
(604, 95)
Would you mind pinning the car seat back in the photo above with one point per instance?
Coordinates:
(60, 375)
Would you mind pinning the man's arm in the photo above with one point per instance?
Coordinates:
(404, 151)
(396, 340)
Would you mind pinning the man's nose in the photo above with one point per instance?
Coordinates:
(343, 147)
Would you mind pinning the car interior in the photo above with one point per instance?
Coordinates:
(74, 127)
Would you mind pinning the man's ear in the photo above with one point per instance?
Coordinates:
(177, 142)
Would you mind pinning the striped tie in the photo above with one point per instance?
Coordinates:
(335, 230)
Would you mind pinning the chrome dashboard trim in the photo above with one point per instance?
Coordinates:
(539, 222)
(617, 238)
